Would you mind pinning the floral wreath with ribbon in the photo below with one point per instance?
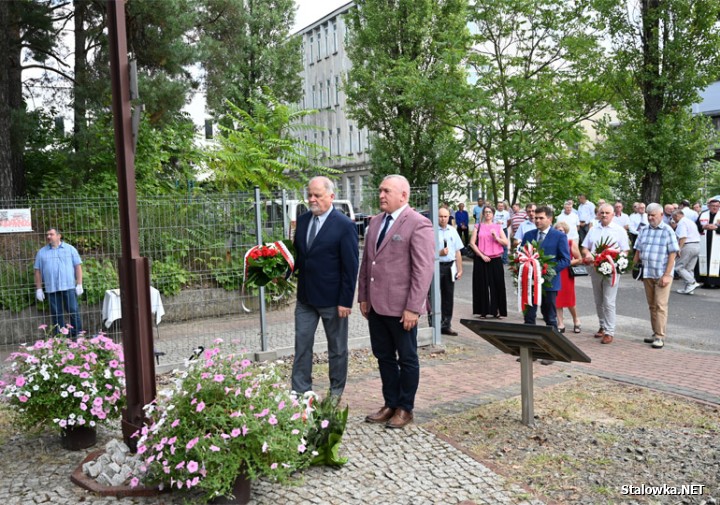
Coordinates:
(270, 263)
(531, 269)
(608, 260)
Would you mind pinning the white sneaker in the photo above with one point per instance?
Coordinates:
(658, 343)
(692, 287)
(681, 291)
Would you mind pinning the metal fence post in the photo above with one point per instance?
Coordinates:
(435, 286)
(286, 223)
(261, 295)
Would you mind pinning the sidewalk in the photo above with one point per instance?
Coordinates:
(410, 466)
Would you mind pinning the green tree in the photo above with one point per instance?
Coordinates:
(665, 52)
(263, 148)
(537, 75)
(245, 48)
(406, 83)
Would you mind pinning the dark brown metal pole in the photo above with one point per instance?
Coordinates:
(134, 271)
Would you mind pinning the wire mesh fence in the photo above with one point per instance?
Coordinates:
(195, 246)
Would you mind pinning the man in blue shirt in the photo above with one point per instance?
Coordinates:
(463, 223)
(58, 267)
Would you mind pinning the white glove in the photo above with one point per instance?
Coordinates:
(40, 295)
(78, 289)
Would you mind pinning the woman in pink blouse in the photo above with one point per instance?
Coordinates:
(487, 241)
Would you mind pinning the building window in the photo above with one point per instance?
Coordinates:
(329, 93)
(327, 41)
(351, 190)
(337, 139)
(314, 97)
(337, 90)
(322, 143)
(312, 50)
(351, 135)
(330, 142)
(335, 37)
(319, 46)
(320, 101)
(359, 147)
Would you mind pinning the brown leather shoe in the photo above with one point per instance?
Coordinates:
(606, 339)
(599, 333)
(401, 419)
(381, 416)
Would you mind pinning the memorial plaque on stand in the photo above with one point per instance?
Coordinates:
(529, 342)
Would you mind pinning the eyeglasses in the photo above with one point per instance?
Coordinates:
(487, 212)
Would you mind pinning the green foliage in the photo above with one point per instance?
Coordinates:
(67, 383)
(262, 150)
(99, 275)
(228, 275)
(659, 69)
(674, 148)
(225, 416)
(16, 286)
(407, 83)
(169, 277)
(246, 46)
(327, 426)
(539, 68)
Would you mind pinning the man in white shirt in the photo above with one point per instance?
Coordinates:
(689, 241)
(451, 268)
(604, 292)
(688, 211)
(569, 216)
(586, 213)
(638, 220)
(502, 217)
(620, 217)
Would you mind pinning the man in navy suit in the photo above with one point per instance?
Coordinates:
(553, 243)
(326, 248)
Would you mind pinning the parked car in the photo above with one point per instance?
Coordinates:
(293, 209)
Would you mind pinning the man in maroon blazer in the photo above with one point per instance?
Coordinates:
(395, 275)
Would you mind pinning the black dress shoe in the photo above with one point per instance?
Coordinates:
(449, 331)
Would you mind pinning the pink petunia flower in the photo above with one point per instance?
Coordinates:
(192, 466)
(324, 424)
(192, 443)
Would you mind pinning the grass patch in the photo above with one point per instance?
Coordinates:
(591, 436)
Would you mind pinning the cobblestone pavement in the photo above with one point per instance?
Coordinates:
(410, 466)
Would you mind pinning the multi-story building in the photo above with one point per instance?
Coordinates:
(325, 67)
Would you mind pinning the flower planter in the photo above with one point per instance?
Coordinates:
(240, 491)
(77, 438)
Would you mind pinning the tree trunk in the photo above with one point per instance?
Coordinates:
(79, 86)
(6, 174)
(17, 112)
(651, 187)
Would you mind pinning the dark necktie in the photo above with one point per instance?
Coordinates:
(388, 218)
(541, 237)
(313, 232)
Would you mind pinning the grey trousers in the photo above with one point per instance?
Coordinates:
(685, 264)
(605, 296)
(336, 330)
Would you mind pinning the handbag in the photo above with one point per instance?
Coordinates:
(578, 271)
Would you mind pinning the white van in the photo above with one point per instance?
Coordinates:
(294, 208)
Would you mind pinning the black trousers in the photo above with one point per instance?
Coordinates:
(447, 294)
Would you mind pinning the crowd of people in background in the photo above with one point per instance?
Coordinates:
(674, 241)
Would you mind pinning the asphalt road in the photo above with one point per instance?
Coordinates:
(693, 322)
